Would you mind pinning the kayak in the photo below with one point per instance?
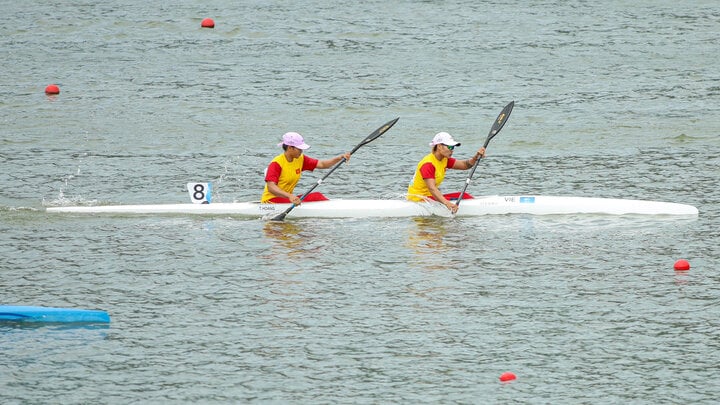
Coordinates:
(485, 205)
(18, 313)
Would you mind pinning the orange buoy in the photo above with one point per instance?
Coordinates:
(507, 376)
(52, 89)
(682, 265)
(208, 23)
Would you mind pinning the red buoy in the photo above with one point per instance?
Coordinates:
(507, 376)
(208, 23)
(52, 89)
(682, 265)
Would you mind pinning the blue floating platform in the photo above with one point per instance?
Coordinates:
(19, 313)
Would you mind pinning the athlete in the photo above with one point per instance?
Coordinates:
(284, 171)
(430, 172)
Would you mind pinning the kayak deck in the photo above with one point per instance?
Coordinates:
(485, 205)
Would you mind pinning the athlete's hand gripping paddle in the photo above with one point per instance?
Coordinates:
(373, 136)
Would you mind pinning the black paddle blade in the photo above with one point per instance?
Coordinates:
(280, 217)
(499, 122)
(497, 126)
(376, 134)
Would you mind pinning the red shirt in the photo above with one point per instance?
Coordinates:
(427, 171)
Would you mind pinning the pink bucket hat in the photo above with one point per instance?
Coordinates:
(294, 139)
(445, 139)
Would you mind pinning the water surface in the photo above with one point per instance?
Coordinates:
(612, 100)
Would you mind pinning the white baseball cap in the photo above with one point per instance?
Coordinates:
(294, 139)
(445, 139)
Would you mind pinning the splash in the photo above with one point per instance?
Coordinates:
(63, 200)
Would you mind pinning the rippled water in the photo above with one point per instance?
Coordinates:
(612, 100)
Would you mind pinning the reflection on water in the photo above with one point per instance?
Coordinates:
(49, 336)
(285, 237)
(74, 328)
(681, 278)
(427, 239)
(288, 289)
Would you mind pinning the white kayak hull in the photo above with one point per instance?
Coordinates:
(486, 205)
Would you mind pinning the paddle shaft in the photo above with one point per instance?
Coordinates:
(497, 126)
(374, 135)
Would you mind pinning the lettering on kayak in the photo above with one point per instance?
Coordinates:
(527, 200)
(510, 199)
(267, 207)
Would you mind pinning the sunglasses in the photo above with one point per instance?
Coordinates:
(450, 147)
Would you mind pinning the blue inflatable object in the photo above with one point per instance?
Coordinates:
(18, 313)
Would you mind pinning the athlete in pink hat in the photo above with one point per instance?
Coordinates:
(284, 171)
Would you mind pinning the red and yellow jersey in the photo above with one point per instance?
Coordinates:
(286, 174)
(428, 168)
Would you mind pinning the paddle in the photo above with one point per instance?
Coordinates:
(497, 126)
(375, 135)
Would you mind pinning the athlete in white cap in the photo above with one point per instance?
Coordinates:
(430, 171)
